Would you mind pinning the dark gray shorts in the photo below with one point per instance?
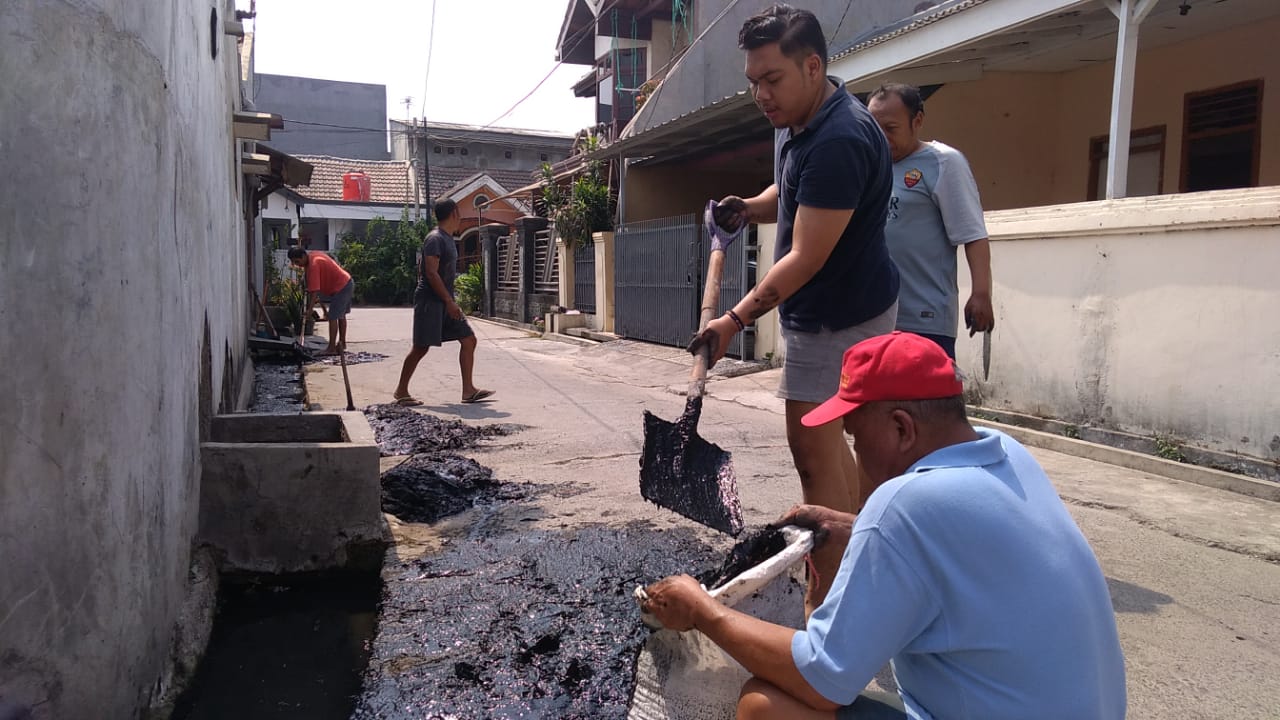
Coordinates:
(340, 303)
(432, 326)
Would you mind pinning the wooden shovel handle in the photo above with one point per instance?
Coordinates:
(710, 303)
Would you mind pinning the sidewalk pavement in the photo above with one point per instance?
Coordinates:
(1194, 571)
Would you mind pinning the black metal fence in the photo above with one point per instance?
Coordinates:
(584, 278)
(659, 270)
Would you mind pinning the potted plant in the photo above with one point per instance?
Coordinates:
(288, 298)
(585, 207)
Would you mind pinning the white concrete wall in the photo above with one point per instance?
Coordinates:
(1150, 315)
(768, 328)
(121, 240)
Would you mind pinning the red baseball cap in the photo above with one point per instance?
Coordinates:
(897, 366)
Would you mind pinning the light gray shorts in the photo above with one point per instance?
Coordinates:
(811, 370)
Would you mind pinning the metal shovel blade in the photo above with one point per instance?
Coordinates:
(682, 472)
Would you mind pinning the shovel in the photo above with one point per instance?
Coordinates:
(679, 470)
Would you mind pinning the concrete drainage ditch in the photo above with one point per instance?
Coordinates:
(290, 512)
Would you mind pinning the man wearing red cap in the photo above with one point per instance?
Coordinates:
(964, 568)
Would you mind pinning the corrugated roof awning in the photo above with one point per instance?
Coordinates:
(732, 120)
(283, 167)
(586, 85)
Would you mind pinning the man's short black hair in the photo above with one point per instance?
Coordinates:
(444, 208)
(297, 253)
(908, 94)
(797, 32)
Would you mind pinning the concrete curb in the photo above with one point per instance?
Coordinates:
(1137, 461)
(504, 322)
(569, 339)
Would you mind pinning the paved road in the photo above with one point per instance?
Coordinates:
(1194, 572)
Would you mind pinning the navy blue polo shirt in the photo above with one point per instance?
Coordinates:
(839, 161)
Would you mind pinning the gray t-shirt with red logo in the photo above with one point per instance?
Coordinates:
(935, 208)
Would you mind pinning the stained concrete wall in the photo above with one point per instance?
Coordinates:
(330, 102)
(1148, 315)
(122, 250)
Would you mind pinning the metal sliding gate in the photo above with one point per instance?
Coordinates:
(584, 278)
(659, 270)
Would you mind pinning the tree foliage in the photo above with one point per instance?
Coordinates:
(383, 260)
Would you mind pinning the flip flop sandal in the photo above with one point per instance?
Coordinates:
(477, 396)
(408, 401)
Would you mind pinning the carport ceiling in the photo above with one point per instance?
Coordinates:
(1077, 38)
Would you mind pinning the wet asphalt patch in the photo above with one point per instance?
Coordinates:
(405, 431)
(525, 623)
(428, 488)
(509, 620)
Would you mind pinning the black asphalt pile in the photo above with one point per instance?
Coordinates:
(353, 358)
(277, 386)
(527, 624)
(404, 431)
(428, 488)
(751, 549)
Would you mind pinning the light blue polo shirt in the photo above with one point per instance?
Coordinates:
(934, 209)
(970, 574)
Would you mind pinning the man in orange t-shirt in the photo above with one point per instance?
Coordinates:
(326, 277)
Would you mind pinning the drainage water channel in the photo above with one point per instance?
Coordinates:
(277, 384)
(286, 647)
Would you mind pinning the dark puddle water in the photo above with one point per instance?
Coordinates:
(405, 431)
(522, 624)
(286, 647)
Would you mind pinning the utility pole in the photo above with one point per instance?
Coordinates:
(426, 164)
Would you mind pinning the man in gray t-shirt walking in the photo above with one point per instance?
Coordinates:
(436, 316)
(935, 208)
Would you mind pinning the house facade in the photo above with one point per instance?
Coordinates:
(447, 154)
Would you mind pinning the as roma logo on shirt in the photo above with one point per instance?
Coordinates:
(912, 177)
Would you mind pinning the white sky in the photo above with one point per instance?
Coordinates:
(487, 55)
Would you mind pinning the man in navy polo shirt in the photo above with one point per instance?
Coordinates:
(833, 279)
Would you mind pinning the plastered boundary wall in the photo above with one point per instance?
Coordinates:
(122, 248)
(1149, 315)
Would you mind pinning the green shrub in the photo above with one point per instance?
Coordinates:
(468, 288)
(382, 261)
(586, 206)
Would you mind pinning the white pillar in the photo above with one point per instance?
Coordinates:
(1131, 14)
